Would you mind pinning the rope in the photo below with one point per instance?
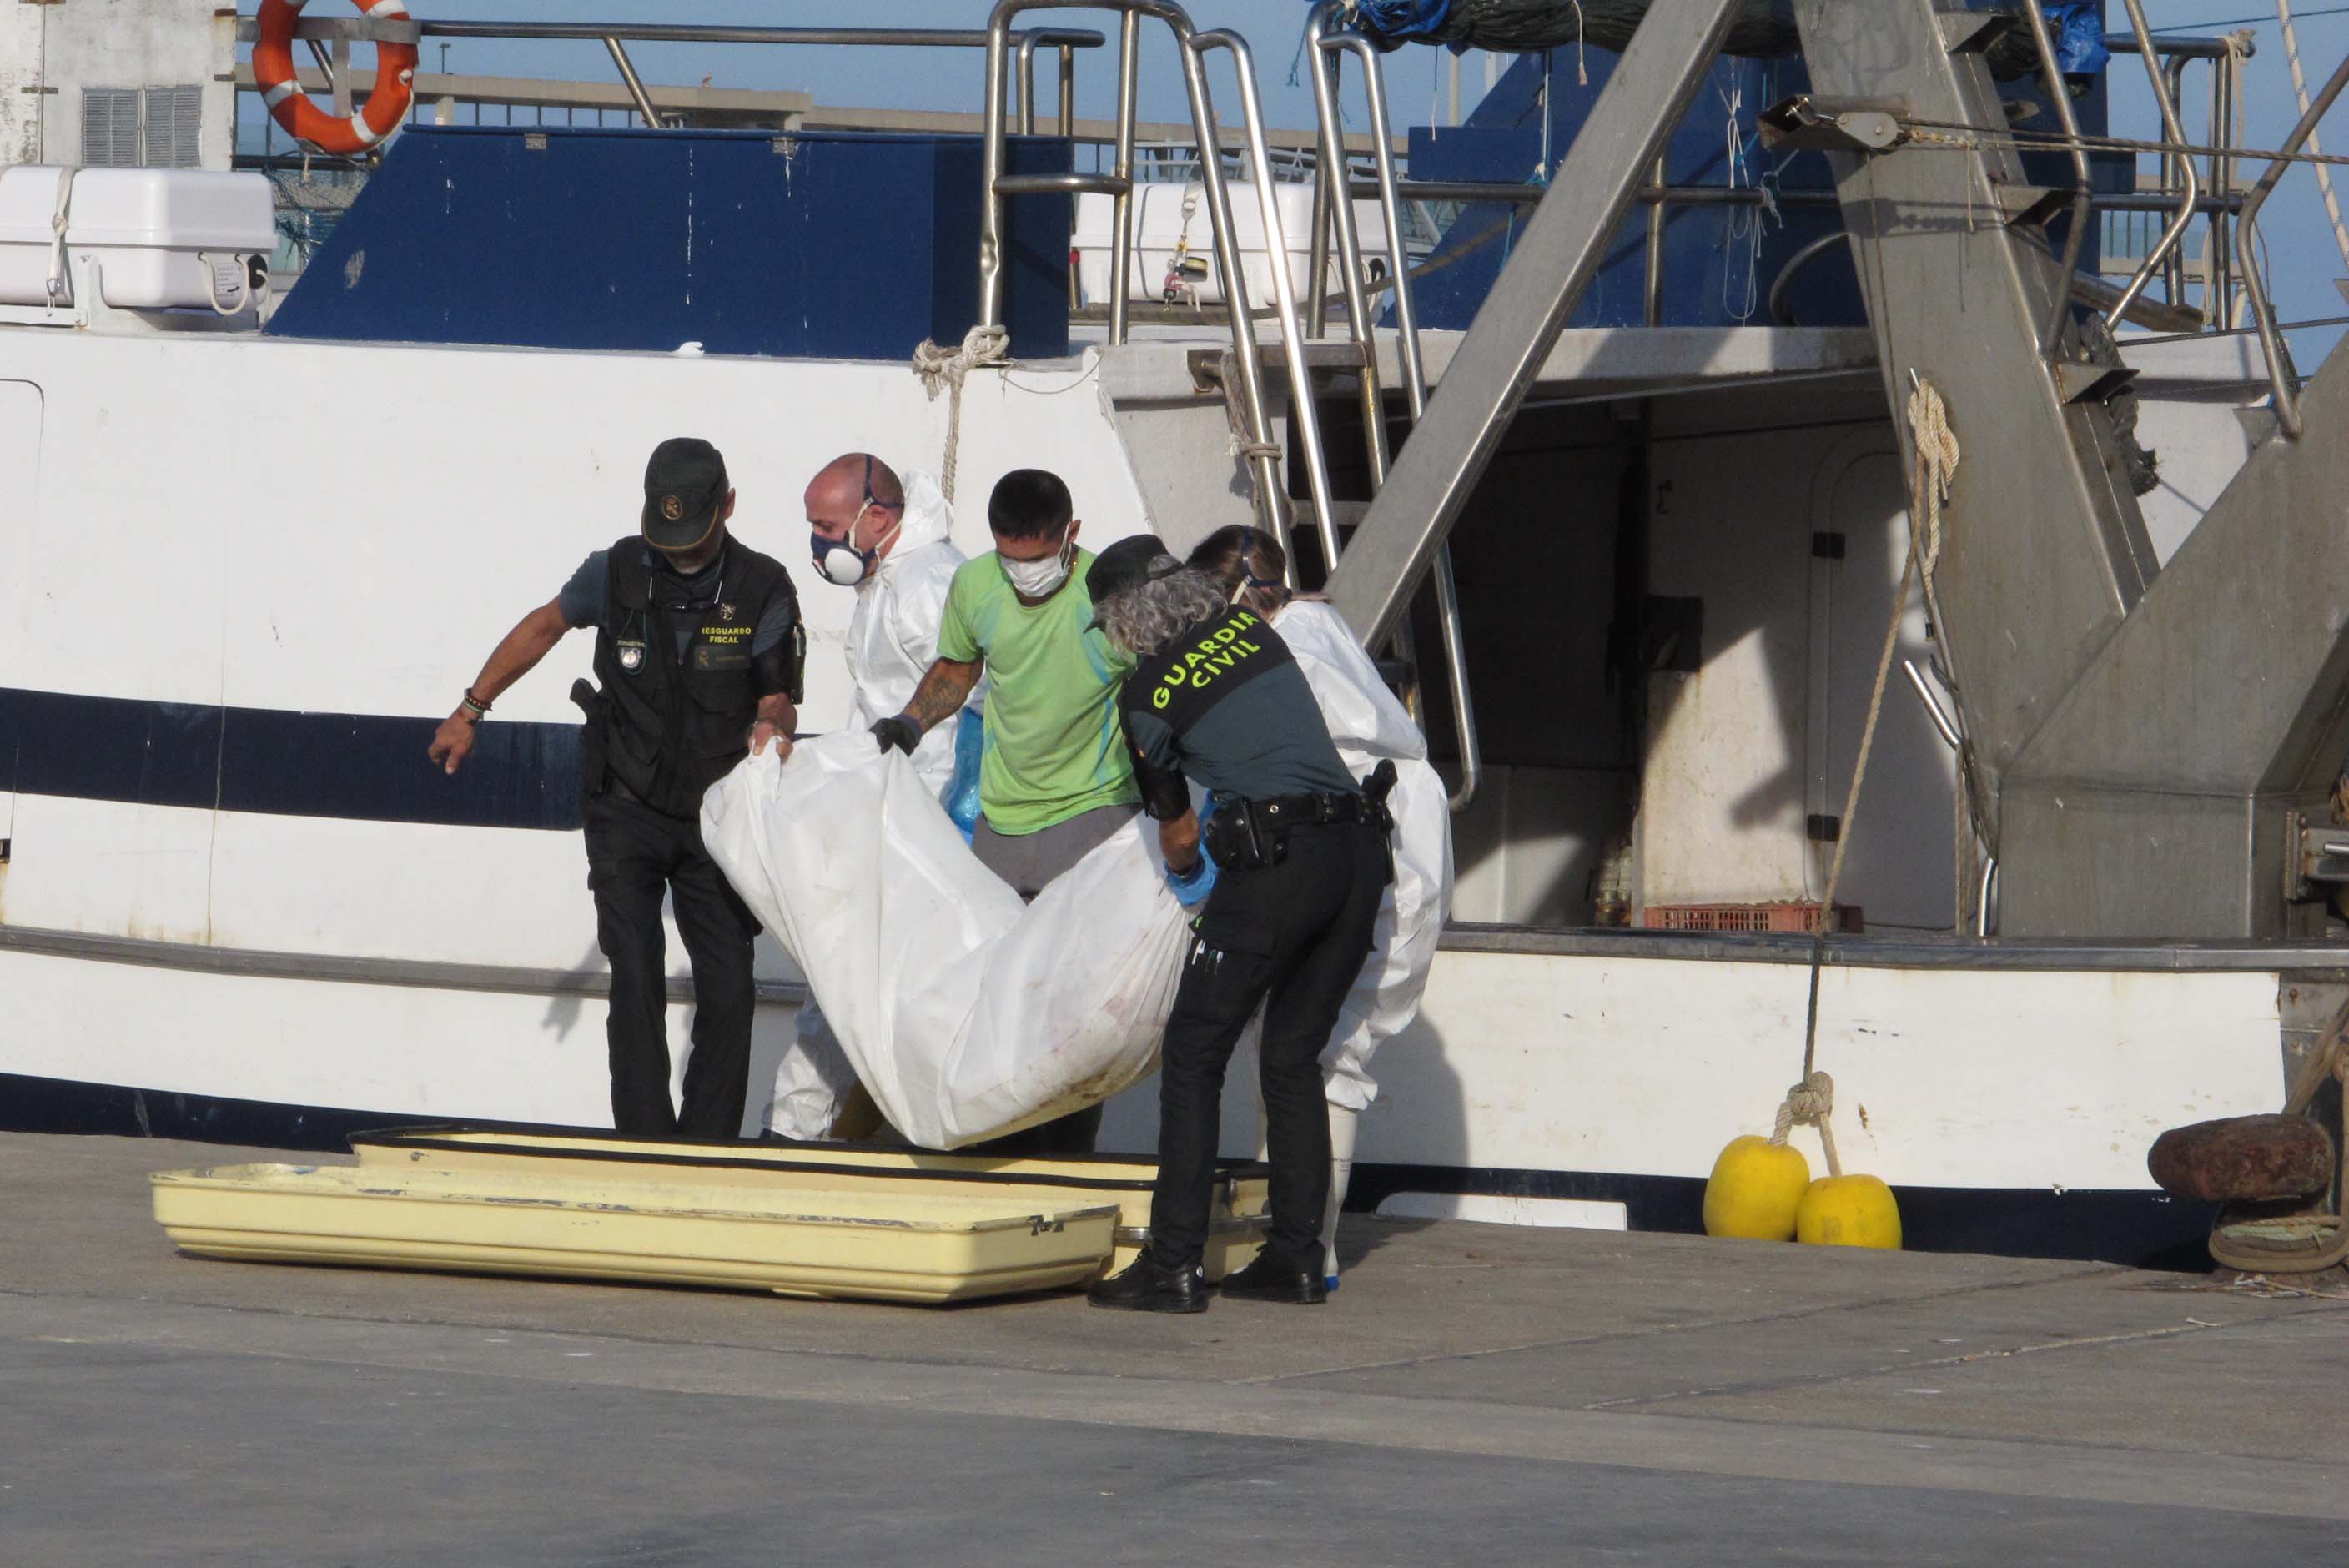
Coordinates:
(943, 370)
(1937, 461)
(1958, 136)
(2300, 90)
(1809, 1104)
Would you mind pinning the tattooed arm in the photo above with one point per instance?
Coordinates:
(940, 696)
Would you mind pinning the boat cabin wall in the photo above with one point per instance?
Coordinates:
(1672, 620)
(111, 82)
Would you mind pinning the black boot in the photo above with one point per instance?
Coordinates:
(1272, 1277)
(1147, 1286)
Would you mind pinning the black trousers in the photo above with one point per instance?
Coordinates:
(1293, 936)
(635, 854)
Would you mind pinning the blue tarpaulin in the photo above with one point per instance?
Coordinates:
(2078, 26)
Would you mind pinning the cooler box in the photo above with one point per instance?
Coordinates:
(1165, 214)
(162, 238)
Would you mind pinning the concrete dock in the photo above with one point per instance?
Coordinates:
(1473, 1394)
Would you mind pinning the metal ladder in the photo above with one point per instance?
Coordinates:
(1334, 204)
(1263, 453)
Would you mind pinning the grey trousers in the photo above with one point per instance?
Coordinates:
(1029, 861)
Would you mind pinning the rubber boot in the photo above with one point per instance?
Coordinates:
(1341, 1171)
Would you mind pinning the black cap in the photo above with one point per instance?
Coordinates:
(684, 490)
(1128, 563)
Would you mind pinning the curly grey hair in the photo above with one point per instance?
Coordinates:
(1149, 617)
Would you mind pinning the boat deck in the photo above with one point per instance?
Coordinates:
(1474, 1393)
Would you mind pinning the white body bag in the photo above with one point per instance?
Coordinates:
(965, 1013)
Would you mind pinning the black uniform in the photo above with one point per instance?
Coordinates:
(681, 673)
(1301, 861)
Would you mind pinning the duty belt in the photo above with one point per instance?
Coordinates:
(1292, 810)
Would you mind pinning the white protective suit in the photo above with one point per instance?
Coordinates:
(893, 637)
(1370, 726)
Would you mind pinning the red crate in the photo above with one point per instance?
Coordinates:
(1802, 918)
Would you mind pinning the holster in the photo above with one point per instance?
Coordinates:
(1239, 839)
(1375, 791)
(593, 768)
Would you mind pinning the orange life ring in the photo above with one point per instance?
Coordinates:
(387, 106)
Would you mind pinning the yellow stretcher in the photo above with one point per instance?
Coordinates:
(1236, 1228)
(797, 1218)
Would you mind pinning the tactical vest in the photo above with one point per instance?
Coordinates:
(666, 727)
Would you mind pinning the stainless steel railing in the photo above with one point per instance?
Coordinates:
(616, 36)
(1263, 453)
(1334, 196)
(2279, 374)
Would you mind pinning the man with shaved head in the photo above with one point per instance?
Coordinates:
(885, 536)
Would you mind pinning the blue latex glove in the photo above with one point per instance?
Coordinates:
(962, 793)
(1192, 887)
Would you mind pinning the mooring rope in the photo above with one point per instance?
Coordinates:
(944, 370)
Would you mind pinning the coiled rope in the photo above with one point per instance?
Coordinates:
(944, 370)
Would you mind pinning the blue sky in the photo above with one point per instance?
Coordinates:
(2302, 250)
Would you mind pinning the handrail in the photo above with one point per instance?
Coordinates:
(2176, 131)
(1263, 454)
(2076, 233)
(1335, 191)
(2287, 400)
(1304, 414)
(1068, 41)
(668, 33)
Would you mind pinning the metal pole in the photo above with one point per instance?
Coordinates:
(2173, 267)
(1068, 90)
(1027, 84)
(1341, 212)
(2176, 132)
(1121, 244)
(1562, 246)
(2287, 400)
(635, 83)
(1317, 258)
(991, 158)
(2219, 285)
(1651, 308)
(1304, 417)
(2076, 234)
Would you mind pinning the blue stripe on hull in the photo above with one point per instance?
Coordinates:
(367, 766)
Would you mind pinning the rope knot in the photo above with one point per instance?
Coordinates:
(1810, 1103)
(944, 370)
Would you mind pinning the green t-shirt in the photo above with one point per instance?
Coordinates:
(1053, 745)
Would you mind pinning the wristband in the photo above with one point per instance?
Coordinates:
(474, 705)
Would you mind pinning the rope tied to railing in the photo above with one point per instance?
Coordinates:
(1810, 1103)
(944, 370)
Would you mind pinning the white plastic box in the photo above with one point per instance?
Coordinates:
(1167, 213)
(161, 238)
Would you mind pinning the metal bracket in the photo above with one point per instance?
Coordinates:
(1971, 32)
(359, 29)
(2031, 206)
(2081, 382)
(1807, 124)
(2320, 855)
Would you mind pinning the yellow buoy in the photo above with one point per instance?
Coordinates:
(1755, 1189)
(1848, 1212)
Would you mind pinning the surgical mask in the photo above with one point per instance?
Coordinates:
(1034, 578)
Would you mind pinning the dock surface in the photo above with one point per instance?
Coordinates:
(1474, 1393)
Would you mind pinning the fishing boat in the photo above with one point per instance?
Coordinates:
(1600, 414)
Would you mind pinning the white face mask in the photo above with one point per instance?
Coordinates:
(1034, 578)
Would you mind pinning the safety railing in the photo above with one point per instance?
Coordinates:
(2174, 130)
(1334, 205)
(343, 31)
(1193, 46)
(2280, 375)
